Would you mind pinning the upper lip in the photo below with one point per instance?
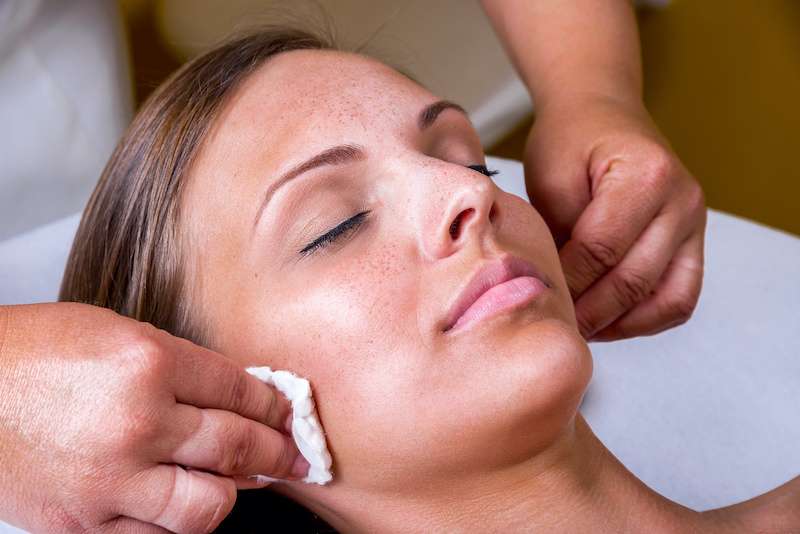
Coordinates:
(488, 275)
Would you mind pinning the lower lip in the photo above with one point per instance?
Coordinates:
(509, 294)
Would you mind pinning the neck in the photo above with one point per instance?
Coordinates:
(576, 485)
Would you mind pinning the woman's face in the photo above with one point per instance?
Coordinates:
(362, 316)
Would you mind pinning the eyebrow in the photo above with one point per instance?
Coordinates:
(429, 113)
(341, 154)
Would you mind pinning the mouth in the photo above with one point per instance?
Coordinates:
(501, 284)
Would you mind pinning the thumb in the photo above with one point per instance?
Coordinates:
(558, 185)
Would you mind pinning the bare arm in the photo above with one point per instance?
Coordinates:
(628, 217)
(565, 49)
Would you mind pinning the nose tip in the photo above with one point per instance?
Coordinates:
(470, 213)
(465, 218)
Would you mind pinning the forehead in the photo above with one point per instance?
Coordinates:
(295, 105)
(319, 95)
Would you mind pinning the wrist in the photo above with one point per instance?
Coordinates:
(587, 98)
(599, 110)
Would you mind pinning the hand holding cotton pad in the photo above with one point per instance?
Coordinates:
(306, 429)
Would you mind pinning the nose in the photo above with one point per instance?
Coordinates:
(470, 214)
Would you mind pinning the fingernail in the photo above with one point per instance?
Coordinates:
(300, 467)
(263, 480)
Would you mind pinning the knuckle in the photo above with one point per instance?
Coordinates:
(194, 504)
(146, 355)
(239, 453)
(660, 168)
(586, 324)
(239, 392)
(631, 287)
(598, 255)
(219, 502)
(147, 351)
(283, 460)
(680, 308)
(270, 406)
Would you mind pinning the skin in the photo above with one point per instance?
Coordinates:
(627, 215)
(101, 430)
(593, 148)
(362, 320)
(393, 278)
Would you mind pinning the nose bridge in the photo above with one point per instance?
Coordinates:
(462, 215)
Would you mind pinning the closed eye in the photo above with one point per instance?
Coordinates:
(349, 227)
(344, 229)
(483, 169)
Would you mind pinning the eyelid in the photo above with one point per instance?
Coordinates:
(333, 236)
(483, 169)
(352, 224)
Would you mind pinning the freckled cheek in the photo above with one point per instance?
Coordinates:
(353, 330)
(356, 357)
(347, 307)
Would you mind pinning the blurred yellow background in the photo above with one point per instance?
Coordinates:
(722, 81)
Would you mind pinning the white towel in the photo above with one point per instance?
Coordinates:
(306, 428)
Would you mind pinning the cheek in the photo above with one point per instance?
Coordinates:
(353, 333)
(524, 230)
(385, 396)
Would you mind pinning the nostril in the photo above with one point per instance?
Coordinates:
(455, 226)
(492, 212)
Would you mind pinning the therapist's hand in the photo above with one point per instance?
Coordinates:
(627, 216)
(110, 425)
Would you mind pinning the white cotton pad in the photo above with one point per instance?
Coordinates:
(306, 429)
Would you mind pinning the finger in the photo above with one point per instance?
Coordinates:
(207, 379)
(253, 481)
(128, 525)
(178, 499)
(557, 186)
(673, 301)
(606, 229)
(634, 278)
(222, 442)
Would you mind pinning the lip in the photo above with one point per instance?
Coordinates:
(505, 282)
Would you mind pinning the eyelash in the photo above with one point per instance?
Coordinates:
(334, 234)
(354, 222)
(483, 170)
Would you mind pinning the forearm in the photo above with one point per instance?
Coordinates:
(568, 49)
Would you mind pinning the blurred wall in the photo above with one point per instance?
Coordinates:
(722, 80)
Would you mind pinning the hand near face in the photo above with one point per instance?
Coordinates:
(110, 425)
(627, 216)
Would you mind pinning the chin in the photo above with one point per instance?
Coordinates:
(521, 383)
(544, 368)
(496, 398)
